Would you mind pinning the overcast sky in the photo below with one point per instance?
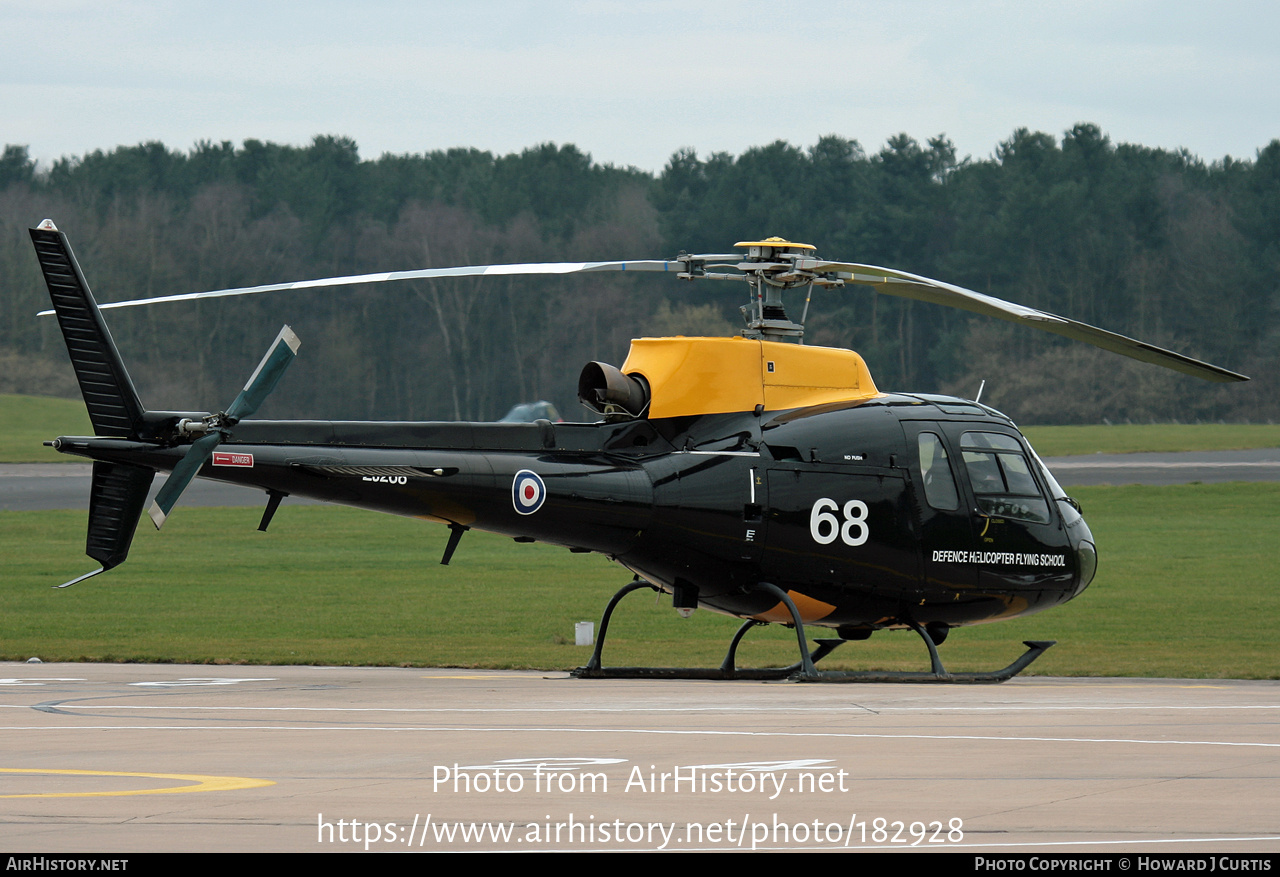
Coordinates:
(631, 82)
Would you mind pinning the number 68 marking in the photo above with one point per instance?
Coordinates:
(825, 526)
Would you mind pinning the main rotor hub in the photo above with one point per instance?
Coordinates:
(774, 249)
(770, 267)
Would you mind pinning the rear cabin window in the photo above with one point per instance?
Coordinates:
(1001, 478)
(935, 471)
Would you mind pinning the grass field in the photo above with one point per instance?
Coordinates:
(27, 421)
(1127, 438)
(1187, 587)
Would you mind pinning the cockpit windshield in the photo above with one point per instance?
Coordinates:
(1001, 477)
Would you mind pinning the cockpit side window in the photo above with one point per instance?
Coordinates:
(1001, 477)
(935, 471)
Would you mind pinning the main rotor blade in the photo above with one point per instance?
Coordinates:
(904, 285)
(384, 277)
(265, 377)
(197, 455)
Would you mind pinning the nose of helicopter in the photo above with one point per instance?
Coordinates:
(1078, 532)
(1086, 560)
(1082, 544)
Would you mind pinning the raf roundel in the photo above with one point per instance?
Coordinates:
(527, 492)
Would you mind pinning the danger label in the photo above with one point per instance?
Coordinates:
(222, 458)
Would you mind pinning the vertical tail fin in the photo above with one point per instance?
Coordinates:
(119, 490)
(109, 394)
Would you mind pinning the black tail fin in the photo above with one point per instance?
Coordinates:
(119, 490)
(114, 407)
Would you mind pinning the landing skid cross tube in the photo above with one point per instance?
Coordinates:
(804, 669)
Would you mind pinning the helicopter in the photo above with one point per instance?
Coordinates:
(752, 475)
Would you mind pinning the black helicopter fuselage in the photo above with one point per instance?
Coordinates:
(872, 513)
(751, 475)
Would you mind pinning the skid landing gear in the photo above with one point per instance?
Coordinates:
(804, 669)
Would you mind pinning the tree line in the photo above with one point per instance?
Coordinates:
(1155, 244)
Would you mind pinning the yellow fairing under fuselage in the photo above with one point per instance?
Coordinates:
(689, 376)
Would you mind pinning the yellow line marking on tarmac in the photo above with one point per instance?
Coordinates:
(201, 783)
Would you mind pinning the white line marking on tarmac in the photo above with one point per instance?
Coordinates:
(977, 845)
(472, 729)
(1265, 464)
(199, 680)
(1139, 707)
(38, 680)
(1086, 843)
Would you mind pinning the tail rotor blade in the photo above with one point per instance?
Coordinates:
(261, 383)
(265, 376)
(197, 455)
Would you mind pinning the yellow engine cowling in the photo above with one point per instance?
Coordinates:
(689, 376)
